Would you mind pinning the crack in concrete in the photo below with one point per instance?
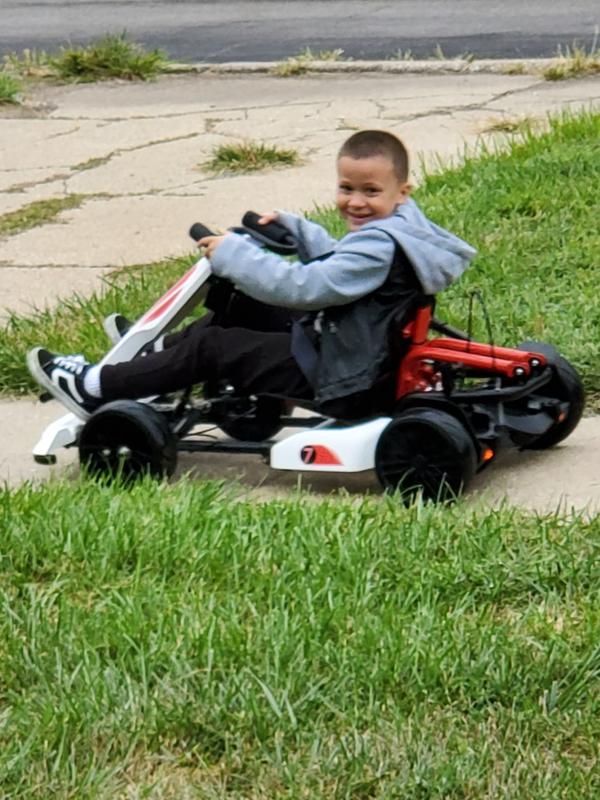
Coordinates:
(197, 112)
(65, 133)
(447, 110)
(121, 150)
(22, 187)
(245, 110)
(78, 168)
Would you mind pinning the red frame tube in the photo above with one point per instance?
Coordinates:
(417, 371)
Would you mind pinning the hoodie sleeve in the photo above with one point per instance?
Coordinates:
(313, 239)
(359, 264)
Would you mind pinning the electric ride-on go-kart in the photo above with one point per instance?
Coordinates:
(456, 403)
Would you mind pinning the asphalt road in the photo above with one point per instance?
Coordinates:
(218, 31)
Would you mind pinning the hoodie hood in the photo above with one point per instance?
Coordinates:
(437, 256)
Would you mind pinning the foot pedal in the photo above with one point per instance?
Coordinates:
(45, 397)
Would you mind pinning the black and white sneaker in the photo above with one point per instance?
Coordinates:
(116, 326)
(63, 377)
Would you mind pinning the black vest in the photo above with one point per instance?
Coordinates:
(360, 343)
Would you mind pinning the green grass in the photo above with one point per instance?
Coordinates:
(168, 642)
(531, 209)
(40, 212)
(112, 56)
(249, 156)
(10, 89)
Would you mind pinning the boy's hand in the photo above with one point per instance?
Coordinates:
(270, 216)
(210, 244)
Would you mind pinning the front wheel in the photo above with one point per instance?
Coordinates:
(126, 439)
(566, 387)
(428, 451)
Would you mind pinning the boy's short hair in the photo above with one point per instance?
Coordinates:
(366, 144)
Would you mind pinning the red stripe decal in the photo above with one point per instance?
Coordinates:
(318, 454)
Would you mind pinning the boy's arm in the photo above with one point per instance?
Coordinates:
(359, 265)
(313, 239)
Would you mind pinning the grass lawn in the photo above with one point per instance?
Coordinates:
(171, 641)
(168, 642)
(532, 211)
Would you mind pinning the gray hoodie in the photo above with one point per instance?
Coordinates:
(342, 271)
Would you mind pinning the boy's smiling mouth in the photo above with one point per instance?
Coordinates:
(357, 220)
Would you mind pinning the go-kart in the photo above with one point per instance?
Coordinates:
(456, 403)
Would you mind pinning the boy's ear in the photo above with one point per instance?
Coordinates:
(404, 191)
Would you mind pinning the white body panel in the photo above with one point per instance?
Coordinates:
(167, 312)
(350, 448)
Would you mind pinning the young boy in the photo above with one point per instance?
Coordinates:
(357, 290)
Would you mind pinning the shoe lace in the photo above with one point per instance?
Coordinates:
(74, 364)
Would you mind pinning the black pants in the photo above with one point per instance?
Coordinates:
(256, 359)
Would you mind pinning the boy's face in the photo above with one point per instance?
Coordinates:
(368, 189)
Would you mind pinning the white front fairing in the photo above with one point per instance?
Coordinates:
(348, 448)
(167, 312)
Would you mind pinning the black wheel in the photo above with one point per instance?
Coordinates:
(425, 450)
(565, 386)
(260, 421)
(127, 439)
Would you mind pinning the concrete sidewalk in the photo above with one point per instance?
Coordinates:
(133, 155)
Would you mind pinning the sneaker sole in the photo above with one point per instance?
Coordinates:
(40, 376)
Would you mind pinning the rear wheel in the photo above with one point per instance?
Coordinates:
(566, 387)
(428, 451)
(127, 439)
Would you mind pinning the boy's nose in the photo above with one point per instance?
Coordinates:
(356, 200)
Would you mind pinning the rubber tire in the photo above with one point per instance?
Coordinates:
(127, 439)
(428, 451)
(258, 427)
(566, 385)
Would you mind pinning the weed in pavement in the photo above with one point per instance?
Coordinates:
(575, 62)
(517, 68)
(439, 55)
(250, 156)
(509, 125)
(303, 62)
(10, 89)
(113, 56)
(30, 63)
(40, 212)
(168, 640)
